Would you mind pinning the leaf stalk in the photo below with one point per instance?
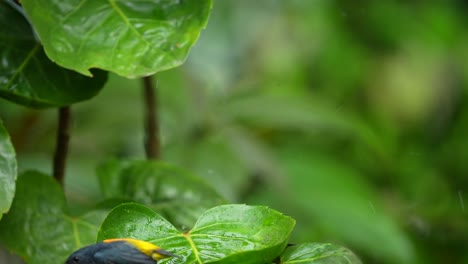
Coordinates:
(152, 138)
(62, 141)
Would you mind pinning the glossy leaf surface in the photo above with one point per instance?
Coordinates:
(28, 77)
(223, 234)
(8, 170)
(129, 37)
(38, 228)
(317, 253)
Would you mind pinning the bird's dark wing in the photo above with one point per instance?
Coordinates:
(121, 253)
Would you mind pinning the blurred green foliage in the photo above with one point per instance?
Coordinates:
(348, 116)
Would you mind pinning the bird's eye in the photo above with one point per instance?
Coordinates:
(76, 258)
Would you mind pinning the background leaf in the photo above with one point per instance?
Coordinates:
(225, 170)
(223, 234)
(39, 229)
(172, 191)
(351, 199)
(28, 77)
(131, 38)
(8, 171)
(109, 180)
(299, 113)
(318, 253)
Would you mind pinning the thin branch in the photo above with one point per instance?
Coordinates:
(152, 139)
(61, 148)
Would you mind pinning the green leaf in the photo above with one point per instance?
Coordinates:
(132, 38)
(38, 228)
(28, 77)
(223, 234)
(225, 170)
(318, 253)
(8, 170)
(175, 193)
(109, 180)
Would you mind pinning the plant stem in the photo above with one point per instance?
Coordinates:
(152, 139)
(61, 148)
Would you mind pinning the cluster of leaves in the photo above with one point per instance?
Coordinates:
(331, 110)
(40, 228)
(57, 53)
(367, 100)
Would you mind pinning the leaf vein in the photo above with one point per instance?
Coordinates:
(23, 64)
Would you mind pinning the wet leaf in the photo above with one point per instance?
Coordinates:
(318, 253)
(38, 227)
(28, 77)
(8, 170)
(132, 38)
(223, 234)
(172, 191)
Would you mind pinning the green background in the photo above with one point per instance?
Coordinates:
(348, 116)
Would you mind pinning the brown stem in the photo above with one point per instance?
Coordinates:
(152, 140)
(61, 148)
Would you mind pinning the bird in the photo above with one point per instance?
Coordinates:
(119, 251)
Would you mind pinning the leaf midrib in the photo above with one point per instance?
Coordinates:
(125, 19)
(194, 248)
(23, 64)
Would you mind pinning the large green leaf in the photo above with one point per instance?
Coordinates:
(223, 234)
(28, 77)
(317, 253)
(39, 229)
(8, 169)
(129, 37)
(175, 193)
